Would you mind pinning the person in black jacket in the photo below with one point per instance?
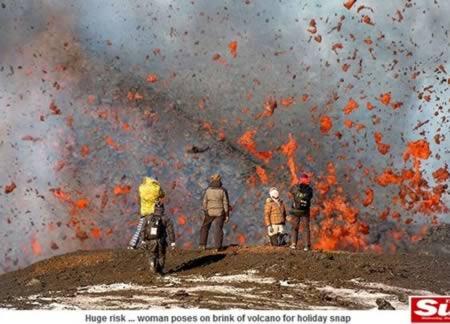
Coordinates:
(156, 234)
(301, 194)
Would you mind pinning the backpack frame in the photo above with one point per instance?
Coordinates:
(153, 228)
(302, 198)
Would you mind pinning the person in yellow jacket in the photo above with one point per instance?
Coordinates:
(150, 199)
(150, 194)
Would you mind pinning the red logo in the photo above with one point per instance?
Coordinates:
(427, 309)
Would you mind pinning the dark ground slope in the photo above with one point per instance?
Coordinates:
(68, 272)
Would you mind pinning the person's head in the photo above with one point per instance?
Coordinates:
(274, 193)
(216, 179)
(304, 179)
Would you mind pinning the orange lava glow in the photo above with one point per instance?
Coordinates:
(419, 149)
(248, 142)
(36, 247)
(82, 203)
(388, 177)
(240, 239)
(288, 150)
(262, 174)
(96, 232)
(122, 190)
(349, 4)
(152, 78)
(326, 123)
(61, 195)
(351, 106)
(84, 151)
(340, 227)
(385, 98)
(182, 220)
(288, 101)
(441, 174)
(233, 47)
(382, 148)
(368, 200)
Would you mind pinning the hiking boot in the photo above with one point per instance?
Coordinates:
(159, 271)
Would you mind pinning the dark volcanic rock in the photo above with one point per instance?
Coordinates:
(383, 304)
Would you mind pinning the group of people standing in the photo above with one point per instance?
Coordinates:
(155, 231)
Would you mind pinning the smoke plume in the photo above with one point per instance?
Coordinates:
(94, 92)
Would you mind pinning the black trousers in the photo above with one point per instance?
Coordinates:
(156, 253)
(218, 230)
(278, 239)
(301, 220)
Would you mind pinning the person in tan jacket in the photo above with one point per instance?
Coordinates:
(216, 209)
(275, 218)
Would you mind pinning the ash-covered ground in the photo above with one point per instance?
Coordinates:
(261, 277)
(92, 93)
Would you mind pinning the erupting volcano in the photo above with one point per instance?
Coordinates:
(92, 94)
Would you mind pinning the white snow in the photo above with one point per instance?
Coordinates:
(362, 296)
(239, 278)
(224, 290)
(384, 287)
(112, 287)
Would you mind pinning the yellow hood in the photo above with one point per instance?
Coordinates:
(150, 193)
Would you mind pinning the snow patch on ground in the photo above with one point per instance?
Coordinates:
(229, 291)
(248, 276)
(376, 285)
(364, 297)
(110, 288)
